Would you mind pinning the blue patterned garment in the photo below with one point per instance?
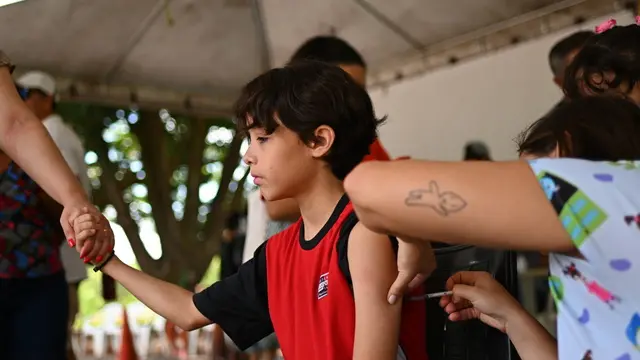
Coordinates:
(28, 245)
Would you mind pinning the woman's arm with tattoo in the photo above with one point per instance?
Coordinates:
(492, 204)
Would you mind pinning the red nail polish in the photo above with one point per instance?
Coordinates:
(71, 242)
(99, 258)
(86, 260)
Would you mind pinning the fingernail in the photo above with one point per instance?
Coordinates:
(71, 242)
(86, 260)
(392, 299)
(83, 253)
(99, 258)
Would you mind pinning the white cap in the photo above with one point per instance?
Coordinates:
(38, 80)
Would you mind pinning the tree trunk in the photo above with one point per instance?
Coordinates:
(185, 257)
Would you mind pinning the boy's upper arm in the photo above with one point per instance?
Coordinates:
(372, 265)
(239, 304)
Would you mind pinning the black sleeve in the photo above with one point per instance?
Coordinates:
(342, 246)
(238, 304)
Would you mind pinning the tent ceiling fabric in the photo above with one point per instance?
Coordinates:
(163, 51)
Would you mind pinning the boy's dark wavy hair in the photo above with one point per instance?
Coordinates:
(607, 61)
(599, 128)
(305, 95)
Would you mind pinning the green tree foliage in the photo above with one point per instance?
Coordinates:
(182, 175)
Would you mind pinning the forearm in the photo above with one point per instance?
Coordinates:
(283, 210)
(42, 161)
(478, 203)
(26, 141)
(168, 300)
(530, 338)
(52, 208)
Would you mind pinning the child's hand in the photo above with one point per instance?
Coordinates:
(94, 237)
(477, 295)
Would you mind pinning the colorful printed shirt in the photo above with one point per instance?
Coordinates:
(28, 245)
(597, 296)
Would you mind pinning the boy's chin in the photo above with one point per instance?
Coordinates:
(270, 195)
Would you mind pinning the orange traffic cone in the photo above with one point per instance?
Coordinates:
(127, 349)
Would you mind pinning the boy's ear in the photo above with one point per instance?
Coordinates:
(324, 140)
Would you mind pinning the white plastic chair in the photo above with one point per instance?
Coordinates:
(158, 327)
(112, 314)
(140, 322)
(93, 328)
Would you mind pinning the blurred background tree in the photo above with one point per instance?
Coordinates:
(155, 173)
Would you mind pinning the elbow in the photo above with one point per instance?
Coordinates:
(13, 125)
(188, 326)
(356, 186)
(191, 319)
(191, 323)
(359, 186)
(354, 180)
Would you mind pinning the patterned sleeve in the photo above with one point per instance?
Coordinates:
(595, 201)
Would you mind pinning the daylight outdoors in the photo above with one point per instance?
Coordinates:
(166, 185)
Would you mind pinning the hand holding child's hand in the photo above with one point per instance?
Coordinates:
(477, 295)
(94, 237)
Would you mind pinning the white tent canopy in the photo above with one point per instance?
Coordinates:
(194, 55)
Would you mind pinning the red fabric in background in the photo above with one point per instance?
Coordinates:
(377, 152)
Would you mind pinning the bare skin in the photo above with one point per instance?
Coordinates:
(25, 140)
(477, 295)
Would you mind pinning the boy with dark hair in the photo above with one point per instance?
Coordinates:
(335, 51)
(321, 284)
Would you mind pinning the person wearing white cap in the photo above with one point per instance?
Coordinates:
(38, 91)
(24, 139)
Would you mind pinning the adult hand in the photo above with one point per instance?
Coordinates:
(416, 262)
(93, 242)
(477, 295)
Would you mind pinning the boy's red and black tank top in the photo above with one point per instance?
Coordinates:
(302, 290)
